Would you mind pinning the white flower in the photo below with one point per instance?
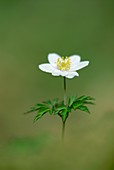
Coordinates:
(63, 66)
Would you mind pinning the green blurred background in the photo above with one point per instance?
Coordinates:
(29, 30)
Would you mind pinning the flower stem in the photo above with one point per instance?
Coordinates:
(65, 102)
(65, 91)
(63, 131)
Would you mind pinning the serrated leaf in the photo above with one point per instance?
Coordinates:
(41, 112)
(64, 114)
(88, 102)
(84, 108)
(31, 110)
(36, 107)
(77, 104)
(51, 110)
(90, 98)
(37, 117)
(57, 112)
(71, 100)
(40, 105)
(50, 105)
(82, 97)
(60, 108)
(48, 102)
(85, 98)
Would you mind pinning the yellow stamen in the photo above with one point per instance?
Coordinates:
(63, 63)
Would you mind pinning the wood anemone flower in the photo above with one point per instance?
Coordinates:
(63, 66)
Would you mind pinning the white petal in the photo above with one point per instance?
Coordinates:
(75, 58)
(64, 73)
(81, 65)
(52, 58)
(56, 72)
(46, 68)
(72, 74)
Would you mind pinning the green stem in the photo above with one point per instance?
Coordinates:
(65, 102)
(63, 131)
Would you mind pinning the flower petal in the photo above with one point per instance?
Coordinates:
(81, 65)
(71, 75)
(52, 58)
(64, 73)
(56, 72)
(46, 68)
(74, 59)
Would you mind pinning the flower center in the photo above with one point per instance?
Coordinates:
(63, 63)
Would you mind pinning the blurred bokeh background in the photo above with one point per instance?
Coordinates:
(29, 30)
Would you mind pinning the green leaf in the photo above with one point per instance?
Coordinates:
(59, 109)
(51, 110)
(88, 102)
(77, 104)
(71, 100)
(54, 102)
(51, 105)
(69, 109)
(41, 112)
(82, 97)
(31, 110)
(64, 114)
(37, 117)
(85, 98)
(84, 108)
(36, 107)
(48, 102)
(90, 98)
(39, 105)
